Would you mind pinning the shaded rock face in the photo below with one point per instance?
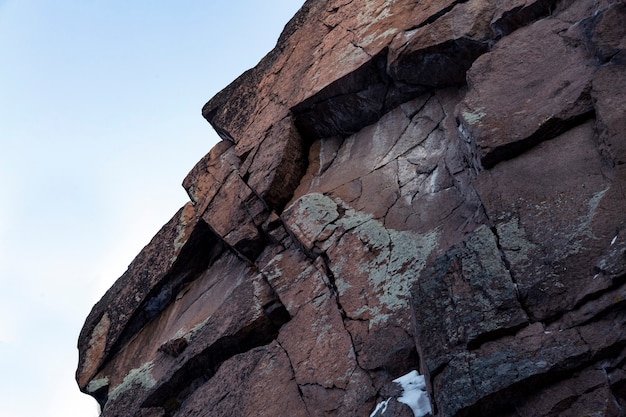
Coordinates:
(434, 186)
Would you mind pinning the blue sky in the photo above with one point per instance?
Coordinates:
(100, 122)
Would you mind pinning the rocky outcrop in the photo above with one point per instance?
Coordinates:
(433, 186)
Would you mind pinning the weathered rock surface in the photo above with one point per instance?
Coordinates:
(434, 186)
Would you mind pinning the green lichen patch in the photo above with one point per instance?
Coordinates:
(97, 384)
(138, 377)
(474, 117)
(375, 268)
(308, 216)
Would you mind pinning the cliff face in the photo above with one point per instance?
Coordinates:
(435, 186)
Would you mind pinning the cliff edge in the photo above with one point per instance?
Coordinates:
(417, 208)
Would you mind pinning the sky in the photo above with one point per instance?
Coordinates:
(100, 121)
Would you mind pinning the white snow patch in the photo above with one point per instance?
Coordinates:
(614, 240)
(382, 405)
(414, 395)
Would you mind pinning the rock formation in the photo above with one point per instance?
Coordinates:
(431, 186)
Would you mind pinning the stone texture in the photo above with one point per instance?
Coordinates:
(518, 99)
(465, 298)
(177, 254)
(434, 186)
(259, 382)
(550, 257)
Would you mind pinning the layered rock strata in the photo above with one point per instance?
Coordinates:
(434, 186)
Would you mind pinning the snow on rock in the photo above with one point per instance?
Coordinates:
(414, 395)
(381, 406)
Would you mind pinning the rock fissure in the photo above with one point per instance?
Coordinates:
(410, 112)
(432, 18)
(203, 366)
(202, 249)
(552, 128)
(293, 373)
(332, 284)
(507, 265)
(521, 15)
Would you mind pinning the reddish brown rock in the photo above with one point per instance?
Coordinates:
(432, 186)
(438, 54)
(606, 33)
(177, 254)
(551, 257)
(259, 382)
(516, 101)
(476, 300)
(608, 92)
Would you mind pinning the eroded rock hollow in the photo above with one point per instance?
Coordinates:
(402, 185)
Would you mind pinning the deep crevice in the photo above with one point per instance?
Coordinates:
(521, 16)
(201, 368)
(611, 308)
(549, 130)
(199, 253)
(293, 371)
(507, 265)
(438, 66)
(291, 170)
(516, 394)
(436, 16)
(333, 286)
(477, 342)
(508, 399)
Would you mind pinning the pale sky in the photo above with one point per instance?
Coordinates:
(100, 121)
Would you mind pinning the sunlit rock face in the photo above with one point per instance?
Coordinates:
(430, 186)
